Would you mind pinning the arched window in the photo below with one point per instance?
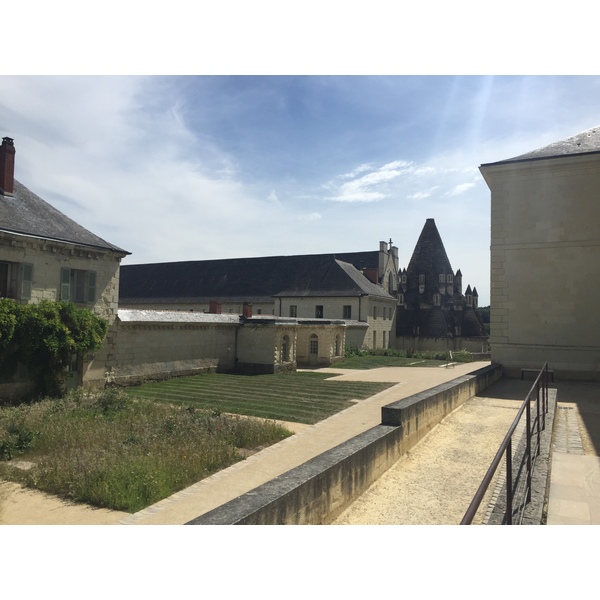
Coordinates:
(285, 349)
(314, 343)
(338, 345)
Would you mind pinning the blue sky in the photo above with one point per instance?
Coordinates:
(198, 167)
(246, 145)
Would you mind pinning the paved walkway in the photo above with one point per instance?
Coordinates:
(575, 472)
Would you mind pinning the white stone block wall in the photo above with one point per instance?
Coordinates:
(545, 252)
(48, 258)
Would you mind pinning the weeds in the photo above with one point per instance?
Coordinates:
(117, 452)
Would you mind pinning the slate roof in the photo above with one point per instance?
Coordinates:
(430, 259)
(26, 213)
(249, 279)
(586, 142)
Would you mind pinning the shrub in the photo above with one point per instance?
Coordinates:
(45, 337)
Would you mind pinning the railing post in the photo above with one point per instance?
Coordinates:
(528, 427)
(537, 408)
(509, 492)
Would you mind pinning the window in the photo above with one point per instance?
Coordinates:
(319, 311)
(77, 285)
(442, 278)
(384, 310)
(384, 339)
(285, 349)
(293, 310)
(421, 278)
(374, 340)
(259, 311)
(347, 311)
(436, 299)
(338, 346)
(449, 278)
(16, 280)
(401, 298)
(374, 312)
(314, 343)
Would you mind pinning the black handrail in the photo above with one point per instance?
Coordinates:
(540, 383)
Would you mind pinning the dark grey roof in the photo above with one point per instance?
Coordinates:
(334, 278)
(430, 259)
(586, 142)
(27, 214)
(260, 278)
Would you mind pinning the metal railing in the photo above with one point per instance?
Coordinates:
(515, 484)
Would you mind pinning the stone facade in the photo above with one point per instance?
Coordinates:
(545, 251)
(46, 262)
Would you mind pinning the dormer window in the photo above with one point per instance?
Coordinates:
(436, 299)
(421, 279)
(442, 278)
(449, 278)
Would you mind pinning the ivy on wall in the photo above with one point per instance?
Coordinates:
(45, 337)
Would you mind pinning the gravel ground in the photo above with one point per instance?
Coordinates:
(435, 482)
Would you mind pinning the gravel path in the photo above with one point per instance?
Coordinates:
(435, 482)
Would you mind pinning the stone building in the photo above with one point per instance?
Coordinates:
(359, 288)
(433, 312)
(545, 252)
(46, 255)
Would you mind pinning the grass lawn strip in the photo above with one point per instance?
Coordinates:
(303, 397)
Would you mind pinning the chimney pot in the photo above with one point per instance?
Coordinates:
(7, 167)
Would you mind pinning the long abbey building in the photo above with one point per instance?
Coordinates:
(379, 305)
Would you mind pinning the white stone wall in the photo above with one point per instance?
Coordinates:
(48, 258)
(330, 338)
(381, 328)
(545, 252)
(139, 351)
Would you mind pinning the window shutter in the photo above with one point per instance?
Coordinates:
(91, 295)
(26, 281)
(65, 284)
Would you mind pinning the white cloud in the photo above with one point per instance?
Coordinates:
(424, 193)
(460, 189)
(360, 189)
(315, 216)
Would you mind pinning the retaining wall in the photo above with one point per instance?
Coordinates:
(317, 491)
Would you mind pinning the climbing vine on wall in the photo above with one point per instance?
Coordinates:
(45, 337)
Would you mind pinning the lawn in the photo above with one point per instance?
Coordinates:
(304, 397)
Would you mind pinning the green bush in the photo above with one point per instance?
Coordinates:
(45, 337)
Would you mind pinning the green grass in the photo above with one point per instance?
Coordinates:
(303, 397)
(122, 453)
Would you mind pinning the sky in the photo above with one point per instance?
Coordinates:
(253, 129)
(185, 131)
(174, 168)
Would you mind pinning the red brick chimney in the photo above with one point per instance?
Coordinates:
(214, 307)
(7, 167)
(372, 274)
(247, 310)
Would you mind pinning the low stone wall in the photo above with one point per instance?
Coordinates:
(317, 491)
